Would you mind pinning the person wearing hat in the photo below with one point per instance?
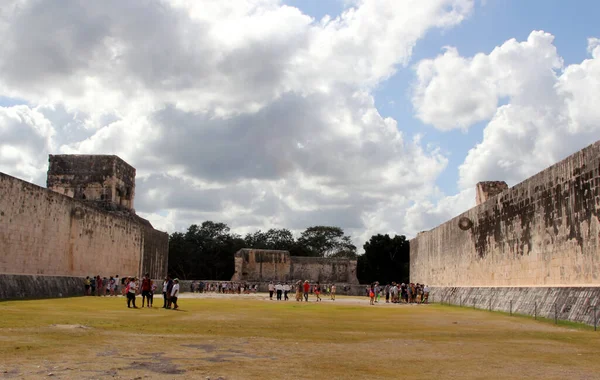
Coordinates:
(306, 290)
(175, 293)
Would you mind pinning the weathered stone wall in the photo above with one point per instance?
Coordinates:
(271, 265)
(543, 231)
(43, 232)
(261, 265)
(155, 252)
(100, 178)
(324, 270)
(15, 287)
(576, 304)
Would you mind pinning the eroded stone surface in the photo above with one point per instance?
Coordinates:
(543, 231)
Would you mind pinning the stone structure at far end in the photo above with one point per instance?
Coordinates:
(257, 265)
(488, 189)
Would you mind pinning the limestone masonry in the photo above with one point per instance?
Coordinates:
(541, 232)
(84, 224)
(257, 265)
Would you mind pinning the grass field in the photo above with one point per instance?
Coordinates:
(250, 337)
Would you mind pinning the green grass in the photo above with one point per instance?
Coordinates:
(249, 338)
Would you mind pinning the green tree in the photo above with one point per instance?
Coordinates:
(204, 252)
(281, 239)
(325, 241)
(385, 260)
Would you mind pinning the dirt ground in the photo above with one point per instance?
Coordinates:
(250, 337)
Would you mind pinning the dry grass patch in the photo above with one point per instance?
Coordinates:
(241, 337)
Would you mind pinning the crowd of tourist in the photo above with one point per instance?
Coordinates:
(130, 287)
(398, 293)
(222, 287)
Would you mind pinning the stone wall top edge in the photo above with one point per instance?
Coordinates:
(92, 156)
(493, 199)
(72, 201)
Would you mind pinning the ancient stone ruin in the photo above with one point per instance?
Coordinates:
(83, 224)
(259, 265)
(541, 237)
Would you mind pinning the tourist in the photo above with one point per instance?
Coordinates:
(372, 295)
(279, 290)
(299, 291)
(271, 290)
(169, 289)
(317, 291)
(165, 285)
(387, 293)
(99, 286)
(333, 292)
(116, 285)
(394, 292)
(377, 290)
(93, 286)
(426, 294)
(286, 290)
(306, 290)
(146, 288)
(175, 294)
(131, 290)
(87, 284)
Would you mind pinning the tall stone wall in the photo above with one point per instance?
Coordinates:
(543, 231)
(256, 265)
(46, 233)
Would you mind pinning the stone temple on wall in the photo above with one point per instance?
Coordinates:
(83, 224)
(531, 248)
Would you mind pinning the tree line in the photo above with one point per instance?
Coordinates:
(206, 251)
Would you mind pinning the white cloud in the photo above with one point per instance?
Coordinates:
(25, 141)
(253, 114)
(550, 110)
(455, 92)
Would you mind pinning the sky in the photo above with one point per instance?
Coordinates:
(376, 116)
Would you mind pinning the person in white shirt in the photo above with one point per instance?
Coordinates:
(175, 294)
(286, 290)
(131, 290)
(271, 289)
(333, 289)
(279, 289)
(426, 294)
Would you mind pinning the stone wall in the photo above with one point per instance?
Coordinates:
(15, 287)
(543, 231)
(104, 178)
(324, 270)
(576, 304)
(46, 233)
(271, 265)
(261, 265)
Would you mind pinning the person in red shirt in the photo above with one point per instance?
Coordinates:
(146, 289)
(306, 290)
